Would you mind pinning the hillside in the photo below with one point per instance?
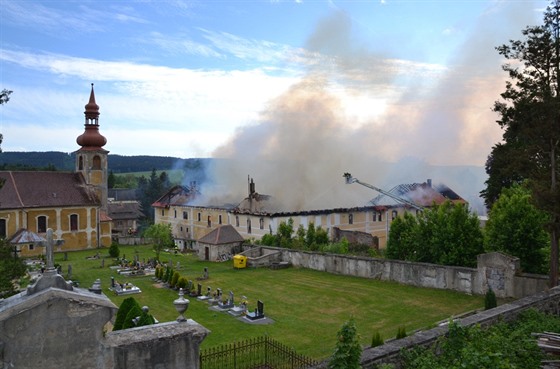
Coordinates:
(117, 163)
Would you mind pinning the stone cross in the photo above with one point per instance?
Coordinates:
(50, 250)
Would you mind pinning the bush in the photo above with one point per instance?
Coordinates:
(182, 283)
(348, 351)
(377, 340)
(174, 279)
(134, 312)
(125, 307)
(490, 300)
(114, 251)
(401, 332)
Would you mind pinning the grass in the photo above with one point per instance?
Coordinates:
(308, 307)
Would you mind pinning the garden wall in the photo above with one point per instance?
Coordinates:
(494, 270)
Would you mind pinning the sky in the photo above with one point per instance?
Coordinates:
(294, 92)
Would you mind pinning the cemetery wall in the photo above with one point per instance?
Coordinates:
(494, 270)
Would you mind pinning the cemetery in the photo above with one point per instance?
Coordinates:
(285, 294)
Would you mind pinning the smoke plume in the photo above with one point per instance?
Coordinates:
(430, 118)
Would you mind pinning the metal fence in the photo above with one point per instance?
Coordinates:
(257, 353)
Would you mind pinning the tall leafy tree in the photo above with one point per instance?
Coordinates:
(161, 235)
(516, 227)
(530, 115)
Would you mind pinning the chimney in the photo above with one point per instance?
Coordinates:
(429, 182)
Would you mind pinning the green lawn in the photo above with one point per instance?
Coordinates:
(308, 307)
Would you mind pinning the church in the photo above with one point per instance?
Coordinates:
(73, 204)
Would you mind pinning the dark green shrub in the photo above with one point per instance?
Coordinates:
(174, 279)
(348, 351)
(401, 332)
(377, 340)
(134, 312)
(114, 251)
(182, 283)
(490, 300)
(125, 307)
(145, 319)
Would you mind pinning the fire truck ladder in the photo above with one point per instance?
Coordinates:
(350, 180)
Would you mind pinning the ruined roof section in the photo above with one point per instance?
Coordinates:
(124, 210)
(222, 235)
(422, 194)
(177, 196)
(45, 189)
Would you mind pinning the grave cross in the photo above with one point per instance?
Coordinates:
(50, 250)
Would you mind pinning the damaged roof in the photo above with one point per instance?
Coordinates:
(422, 194)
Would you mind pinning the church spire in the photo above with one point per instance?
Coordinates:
(91, 139)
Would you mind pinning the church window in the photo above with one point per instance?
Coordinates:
(74, 222)
(350, 218)
(261, 223)
(185, 215)
(41, 224)
(80, 163)
(237, 220)
(3, 228)
(248, 225)
(220, 219)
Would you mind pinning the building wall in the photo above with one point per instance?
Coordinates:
(84, 237)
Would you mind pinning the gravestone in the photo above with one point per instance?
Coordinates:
(258, 313)
(228, 304)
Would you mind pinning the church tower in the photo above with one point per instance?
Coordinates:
(91, 158)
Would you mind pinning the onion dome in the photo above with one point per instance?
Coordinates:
(91, 139)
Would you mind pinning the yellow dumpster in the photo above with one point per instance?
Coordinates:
(239, 261)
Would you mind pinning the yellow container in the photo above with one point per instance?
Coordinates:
(240, 261)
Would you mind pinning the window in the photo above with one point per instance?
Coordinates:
(374, 216)
(31, 246)
(96, 162)
(199, 217)
(220, 219)
(248, 225)
(175, 213)
(261, 223)
(350, 218)
(2, 228)
(185, 215)
(80, 163)
(393, 215)
(74, 222)
(380, 216)
(209, 221)
(162, 212)
(237, 220)
(41, 224)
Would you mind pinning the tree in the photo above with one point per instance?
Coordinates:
(12, 267)
(516, 227)
(445, 234)
(530, 116)
(126, 306)
(161, 236)
(348, 352)
(4, 98)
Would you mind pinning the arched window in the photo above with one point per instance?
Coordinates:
(80, 163)
(261, 223)
(96, 162)
(248, 225)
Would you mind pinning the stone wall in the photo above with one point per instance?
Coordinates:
(494, 270)
(67, 328)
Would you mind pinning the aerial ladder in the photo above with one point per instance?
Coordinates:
(350, 180)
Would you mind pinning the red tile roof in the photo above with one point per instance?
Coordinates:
(45, 189)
